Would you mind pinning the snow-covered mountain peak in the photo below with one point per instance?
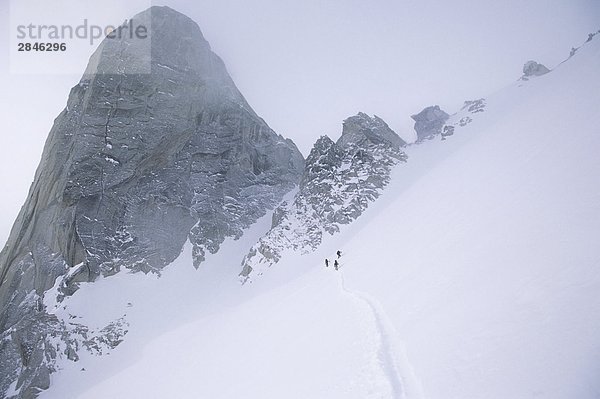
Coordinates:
(156, 147)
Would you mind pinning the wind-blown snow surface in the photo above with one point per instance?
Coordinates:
(475, 275)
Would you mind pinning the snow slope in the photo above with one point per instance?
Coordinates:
(296, 333)
(488, 262)
(475, 275)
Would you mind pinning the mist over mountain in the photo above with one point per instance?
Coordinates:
(173, 245)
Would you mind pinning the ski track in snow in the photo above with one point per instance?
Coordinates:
(386, 350)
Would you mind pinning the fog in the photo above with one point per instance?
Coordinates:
(306, 66)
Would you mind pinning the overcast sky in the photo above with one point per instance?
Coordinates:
(304, 66)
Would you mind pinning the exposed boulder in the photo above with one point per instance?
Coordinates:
(429, 122)
(532, 68)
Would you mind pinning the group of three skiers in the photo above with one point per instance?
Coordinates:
(336, 264)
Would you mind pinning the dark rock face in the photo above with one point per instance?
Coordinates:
(134, 166)
(339, 181)
(362, 129)
(429, 122)
(532, 68)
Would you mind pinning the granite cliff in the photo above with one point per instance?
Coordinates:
(156, 146)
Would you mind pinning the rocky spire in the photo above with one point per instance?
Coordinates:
(156, 146)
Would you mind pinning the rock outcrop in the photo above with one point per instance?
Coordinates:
(135, 165)
(532, 68)
(429, 122)
(339, 181)
(361, 129)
